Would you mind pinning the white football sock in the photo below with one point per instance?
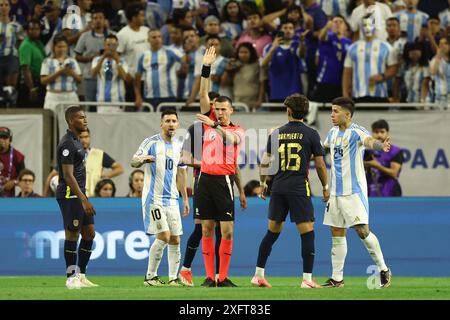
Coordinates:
(154, 257)
(338, 254)
(174, 258)
(307, 276)
(373, 246)
(259, 272)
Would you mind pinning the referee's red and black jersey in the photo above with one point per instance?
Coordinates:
(218, 157)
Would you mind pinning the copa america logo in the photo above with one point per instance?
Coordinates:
(73, 18)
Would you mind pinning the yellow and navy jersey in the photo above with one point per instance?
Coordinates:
(291, 147)
(70, 151)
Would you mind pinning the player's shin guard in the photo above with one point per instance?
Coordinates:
(218, 241)
(308, 252)
(192, 245)
(84, 254)
(208, 256)
(70, 255)
(154, 258)
(174, 257)
(226, 248)
(265, 248)
(338, 254)
(373, 246)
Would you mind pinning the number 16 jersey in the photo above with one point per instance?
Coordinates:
(347, 153)
(292, 146)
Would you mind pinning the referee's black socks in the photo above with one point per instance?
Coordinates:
(308, 251)
(266, 247)
(84, 253)
(70, 255)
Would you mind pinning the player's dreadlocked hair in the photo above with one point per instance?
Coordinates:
(298, 104)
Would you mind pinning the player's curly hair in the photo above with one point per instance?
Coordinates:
(298, 104)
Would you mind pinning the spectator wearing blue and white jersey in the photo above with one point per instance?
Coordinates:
(232, 20)
(218, 68)
(156, 67)
(11, 34)
(60, 73)
(368, 64)
(88, 47)
(380, 12)
(189, 74)
(440, 71)
(334, 8)
(282, 57)
(111, 72)
(397, 41)
(52, 24)
(412, 20)
(444, 16)
(417, 73)
(76, 22)
(333, 45)
(176, 40)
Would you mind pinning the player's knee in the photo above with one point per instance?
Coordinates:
(362, 231)
(227, 235)
(174, 240)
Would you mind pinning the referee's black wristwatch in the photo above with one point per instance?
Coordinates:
(216, 124)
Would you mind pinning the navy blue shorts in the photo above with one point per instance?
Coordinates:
(74, 216)
(300, 208)
(9, 65)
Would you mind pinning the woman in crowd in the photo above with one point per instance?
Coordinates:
(105, 188)
(60, 73)
(136, 183)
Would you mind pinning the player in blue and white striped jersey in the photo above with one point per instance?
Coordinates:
(412, 20)
(111, 71)
(440, 71)
(164, 176)
(348, 206)
(60, 74)
(157, 67)
(11, 33)
(367, 66)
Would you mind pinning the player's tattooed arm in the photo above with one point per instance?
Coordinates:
(138, 161)
(374, 144)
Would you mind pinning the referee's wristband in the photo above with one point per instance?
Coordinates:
(206, 70)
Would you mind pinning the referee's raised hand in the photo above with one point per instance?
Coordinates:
(210, 56)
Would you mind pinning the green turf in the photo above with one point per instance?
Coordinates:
(283, 288)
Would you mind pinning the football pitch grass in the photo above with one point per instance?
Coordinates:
(284, 288)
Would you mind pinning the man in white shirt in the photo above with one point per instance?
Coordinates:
(133, 41)
(380, 12)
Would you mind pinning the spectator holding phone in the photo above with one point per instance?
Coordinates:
(60, 73)
(282, 57)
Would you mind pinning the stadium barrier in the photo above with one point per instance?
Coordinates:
(413, 234)
(180, 106)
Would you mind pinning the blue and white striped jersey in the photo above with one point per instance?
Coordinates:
(231, 30)
(444, 16)
(160, 187)
(347, 154)
(335, 7)
(412, 23)
(218, 69)
(159, 73)
(195, 70)
(414, 77)
(10, 34)
(63, 83)
(442, 82)
(110, 87)
(368, 59)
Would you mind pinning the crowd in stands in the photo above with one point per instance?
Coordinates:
(151, 51)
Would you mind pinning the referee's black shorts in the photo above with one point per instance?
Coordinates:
(214, 198)
(74, 216)
(299, 207)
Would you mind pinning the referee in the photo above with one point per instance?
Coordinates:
(214, 198)
(78, 213)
